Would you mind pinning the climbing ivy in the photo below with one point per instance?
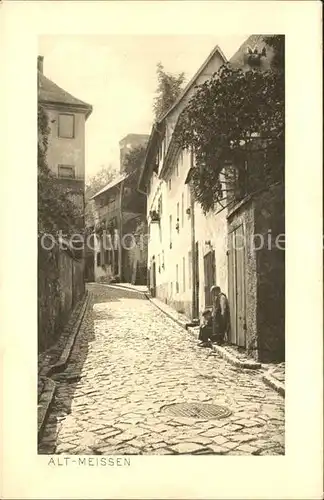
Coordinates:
(231, 115)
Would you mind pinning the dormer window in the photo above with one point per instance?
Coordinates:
(66, 126)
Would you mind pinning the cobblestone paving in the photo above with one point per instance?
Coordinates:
(130, 360)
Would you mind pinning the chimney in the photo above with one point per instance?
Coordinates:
(40, 63)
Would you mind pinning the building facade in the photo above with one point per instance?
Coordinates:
(182, 242)
(67, 117)
(189, 251)
(121, 229)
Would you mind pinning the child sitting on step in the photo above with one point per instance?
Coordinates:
(206, 329)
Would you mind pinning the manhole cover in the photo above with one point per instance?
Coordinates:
(196, 410)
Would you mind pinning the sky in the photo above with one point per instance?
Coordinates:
(116, 74)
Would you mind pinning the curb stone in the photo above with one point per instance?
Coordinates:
(48, 392)
(117, 286)
(231, 358)
(272, 382)
(182, 323)
(60, 365)
(44, 403)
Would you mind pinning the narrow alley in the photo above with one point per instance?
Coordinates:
(129, 362)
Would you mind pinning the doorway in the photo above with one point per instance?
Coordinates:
(236, 286)
(209, 275)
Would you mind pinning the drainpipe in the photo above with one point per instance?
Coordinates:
(120, 250)
(193, 245)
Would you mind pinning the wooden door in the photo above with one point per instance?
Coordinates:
(209, 275)
(240, 287)
(236, 286)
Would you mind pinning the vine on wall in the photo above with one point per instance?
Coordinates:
(232, 117)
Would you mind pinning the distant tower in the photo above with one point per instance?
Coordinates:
(128, 143)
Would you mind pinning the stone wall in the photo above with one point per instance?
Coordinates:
(263, 220)
(270, 223)
(60, 286)
(181, 306)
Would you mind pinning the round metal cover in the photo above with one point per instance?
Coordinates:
(196, 410)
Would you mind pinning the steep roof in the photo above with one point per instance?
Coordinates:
(110, 185)
(194, 78)
(49, 92)
(155, 127)
(130, 137)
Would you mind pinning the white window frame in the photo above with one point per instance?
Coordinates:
(73, 126)
(62, 166)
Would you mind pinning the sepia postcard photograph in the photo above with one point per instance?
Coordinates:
(161, 245)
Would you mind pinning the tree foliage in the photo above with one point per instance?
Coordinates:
(231, 116)
(134, 161)
(168, 90)
(56, 211)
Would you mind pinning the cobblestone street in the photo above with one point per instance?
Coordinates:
(130, 360)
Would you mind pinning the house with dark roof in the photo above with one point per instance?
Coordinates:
(67, 116)
(120, 251)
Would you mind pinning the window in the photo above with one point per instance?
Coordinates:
(112, 203)
(159, 262)
(66, 126)
(188, 196)
(170, 230)
(163, 265)
(161, 152)
(98, 259)
(66, 171)
(189, 269)
(177, 278)
(178, 210)
(182, 209)
(184, 274)
(181, 157)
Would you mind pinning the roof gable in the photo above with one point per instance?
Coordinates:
(110, 185)
(49, 92)
(169, 120)
(216, 52)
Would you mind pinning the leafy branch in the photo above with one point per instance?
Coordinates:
(168, 90)
(233, 117)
